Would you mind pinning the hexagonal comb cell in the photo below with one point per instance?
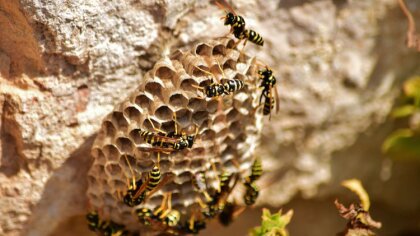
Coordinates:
(221, 131)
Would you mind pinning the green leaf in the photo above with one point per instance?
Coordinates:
(411, 88)
(272, 224)
(403, 111)
(403, 144)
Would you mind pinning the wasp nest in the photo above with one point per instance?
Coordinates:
(227, 129)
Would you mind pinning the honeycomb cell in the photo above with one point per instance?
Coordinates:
(135, 136)
(109, 128)
(188, 84)
(199, 117)
(133, 113)
(235, 128)
(239, 76)
(119, 120)
(195, 152)
(112, 169)
(212, 106)
(203, 50)
(197, 165)
(165, 73)
(164, 113)
(230, 43)
(168, 126)
(155, 88)
(233, 114)
(150, 124)
(178, 101)
(208, 134)
(111, 152)
(144, 101)
(200, 71)
(145, 165)
(165, 165)
(184, 177)
(197, 104)
(229, 64)
(124, 145)
(183, 117)
(219, 50)
(98, 153)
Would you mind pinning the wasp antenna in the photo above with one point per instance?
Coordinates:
(221, 69)
(206, 72)
(197, 87)
(153, 126)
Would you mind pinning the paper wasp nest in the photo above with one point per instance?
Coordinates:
(228, 131)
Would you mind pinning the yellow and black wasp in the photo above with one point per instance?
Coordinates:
(105, 228)
(237, 24)
(256, 170)
(251, 193)
(199, 183)
(193, 226)
(216, 89)
(145, 215)
(217, 203)
(167, 142)
(166, 214)
(268, 82)
(139, 190)
(251, 189)
(229, 213)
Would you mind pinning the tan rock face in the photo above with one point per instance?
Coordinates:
(227, 130)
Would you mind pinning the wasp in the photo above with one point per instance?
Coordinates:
(229, 213)
(268, 82)
(192, 226)
(139, 190)
(145, 215)
(218, 200)
(167, 142)
(106, 228)
(199, 183)
(251, 193)
(215, 89)
(166, 214)
(251, 189)
(237, 26)
(256, 171)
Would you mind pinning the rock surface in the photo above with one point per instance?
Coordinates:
(65, 64)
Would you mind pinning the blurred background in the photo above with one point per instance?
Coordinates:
(349, 104)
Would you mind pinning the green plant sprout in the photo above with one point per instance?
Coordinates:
(272, 224)
(404, 144)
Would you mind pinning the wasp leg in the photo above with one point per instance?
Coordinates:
(162, 205)
(132, 172)
(168, 208)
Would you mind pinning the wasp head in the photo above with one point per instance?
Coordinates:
(229, 18)
(190, 140)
